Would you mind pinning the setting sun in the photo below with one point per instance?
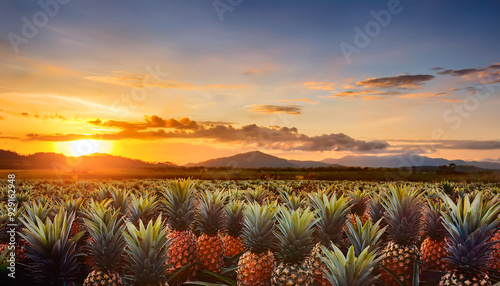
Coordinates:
(83, 147)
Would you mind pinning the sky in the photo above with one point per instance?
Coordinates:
(187, 81)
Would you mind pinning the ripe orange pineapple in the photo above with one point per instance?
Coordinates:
(332, 212)
(403, 214)
(180, 210)
(210, 221)
(433, 248)
(233, 244)
(256, 265)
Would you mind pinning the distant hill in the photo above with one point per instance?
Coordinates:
(12, 160)
(407, 160)
(257, 159)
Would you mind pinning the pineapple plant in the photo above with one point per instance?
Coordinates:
(403, 216)
(470, 226)
(294, 244)
(292, 200)
(210, 220)
(52, 251)
(142, 208)
(233, 244)
(332, 212)
(350, 270)
(179, 205)
(104, 226)
(257, 263)
(359, 205)
(365, 235)
(71, 204)
(433, 248)
(146, 252)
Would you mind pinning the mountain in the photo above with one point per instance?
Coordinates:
(12, 160)
(257, 159)
(405, 160)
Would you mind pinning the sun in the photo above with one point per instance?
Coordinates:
(84, 147)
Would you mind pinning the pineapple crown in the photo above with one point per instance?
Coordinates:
(292, 200)
(234, 218)
(332, 211)
(105, 226)
(376, 209)
(146, 252)
(365, 235)
(470, 226)
(358, 198)
(403, 215)
(349, 269)
(142, 208)
(433, 222)
(257, 195)
(294, 241)
(211, 216)
(179, 203)
(258, 227)
(49, 244)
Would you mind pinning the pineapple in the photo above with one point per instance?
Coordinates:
(332, 212)
(52, 251)
(142, 208)
(105, 229)
(292, 200)
(233, 244)
(359, 205)
(349, 269)
(365, 235)
(433, 248)
(470, 226)
(180, 210)
(71, 204)
(495, 255)
(256, 265)
(403, 216)
(210, 221)
(294, 244)
(146, 249)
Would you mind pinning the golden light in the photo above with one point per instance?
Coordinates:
(83, 147)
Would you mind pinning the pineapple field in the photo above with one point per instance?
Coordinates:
(249, 232)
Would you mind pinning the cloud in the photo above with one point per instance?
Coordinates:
(489, 74)
(320, 85)
(437, 69)
(25, 114)
(264, 108)
(273, 137)
(1, 117)
(150, 122)
(404, 81)
(454, 144)
(356, 93)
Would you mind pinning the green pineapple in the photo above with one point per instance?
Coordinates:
(104, 226)
(233, 243)
(294, 244)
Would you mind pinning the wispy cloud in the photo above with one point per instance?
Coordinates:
(320, 85)
(265, 108)
(403, 81)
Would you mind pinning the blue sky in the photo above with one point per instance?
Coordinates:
(266, 63)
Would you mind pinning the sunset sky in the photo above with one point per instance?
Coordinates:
(187, 81)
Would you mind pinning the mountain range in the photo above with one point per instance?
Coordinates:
(257, 159)
(254, 159)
